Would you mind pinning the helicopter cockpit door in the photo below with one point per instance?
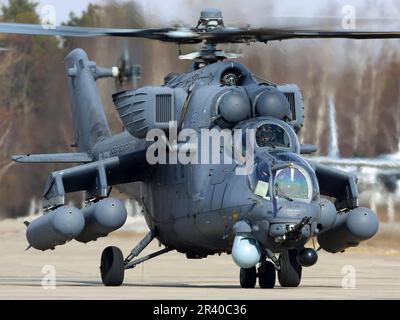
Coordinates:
(218, 188)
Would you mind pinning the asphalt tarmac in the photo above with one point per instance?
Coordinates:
(371, 271)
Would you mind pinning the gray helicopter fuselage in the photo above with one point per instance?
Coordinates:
(248, 192)
(195, 211)
(265, 197)
(195, 206)
(212, 156)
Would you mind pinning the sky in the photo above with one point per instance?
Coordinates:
(250, 10)
(63, 7)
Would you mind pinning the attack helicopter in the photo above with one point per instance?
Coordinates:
(262, 207)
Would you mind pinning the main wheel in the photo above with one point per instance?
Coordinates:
(248, 277)
(266, 275)
(112, 267)
(289, 274)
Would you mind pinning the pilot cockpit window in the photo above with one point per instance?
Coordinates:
(272, 136)
(293, 183)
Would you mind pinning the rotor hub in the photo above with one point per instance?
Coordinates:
(210, 19)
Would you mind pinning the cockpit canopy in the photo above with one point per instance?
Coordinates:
(295, 181)
(269, 135)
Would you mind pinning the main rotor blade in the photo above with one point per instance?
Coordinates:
(265, 34)
(69, 31)
(186, 35)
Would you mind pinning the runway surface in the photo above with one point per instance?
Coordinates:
(376, 273)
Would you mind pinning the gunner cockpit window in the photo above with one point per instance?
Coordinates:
(272, 136)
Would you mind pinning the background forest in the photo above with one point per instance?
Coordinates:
(363, 77)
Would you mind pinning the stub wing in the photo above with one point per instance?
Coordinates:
(95, 177)
(338, 184)
(358, 162)
(74, 157)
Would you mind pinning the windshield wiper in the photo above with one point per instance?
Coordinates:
(281, 194)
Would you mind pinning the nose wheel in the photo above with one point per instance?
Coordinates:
(266, 276)
(248, 277)
(112, 267)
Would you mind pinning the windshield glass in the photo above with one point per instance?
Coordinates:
(291, 183)
(259, 179)
(300, 162)
(272, 135)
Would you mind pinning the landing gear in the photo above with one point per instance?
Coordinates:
(248, 277)
(266, 275)
(112, 267)
(289, 274)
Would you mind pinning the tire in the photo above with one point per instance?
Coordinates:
(112, 267)
(248, 277)
(266, 275)
(289, 274)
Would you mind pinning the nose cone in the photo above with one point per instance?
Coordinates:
(245, 252)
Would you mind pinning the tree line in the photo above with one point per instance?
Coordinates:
(363, 77)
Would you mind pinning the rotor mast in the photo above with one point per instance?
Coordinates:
(210, 19)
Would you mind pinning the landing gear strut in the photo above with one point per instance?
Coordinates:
(113, 265)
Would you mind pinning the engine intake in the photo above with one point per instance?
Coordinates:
(148, 108)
